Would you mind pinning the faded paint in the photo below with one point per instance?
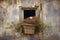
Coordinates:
(51, 14)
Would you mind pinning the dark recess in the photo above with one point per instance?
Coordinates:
(28, 13)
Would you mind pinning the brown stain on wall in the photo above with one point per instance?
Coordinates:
(9, 1)
(2, 0)
(56, 2)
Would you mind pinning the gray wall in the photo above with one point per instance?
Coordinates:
(51, 14)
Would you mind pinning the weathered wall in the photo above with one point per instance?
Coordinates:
(9, 14)
(13, 13)
(51, 14)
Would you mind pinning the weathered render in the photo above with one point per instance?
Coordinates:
(51, 14)
(11, 13)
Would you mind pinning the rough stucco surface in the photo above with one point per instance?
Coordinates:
(12, 12)
(51, 14)
(8, 15)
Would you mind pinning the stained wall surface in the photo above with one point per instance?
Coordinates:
(50, 11)
(51, 14)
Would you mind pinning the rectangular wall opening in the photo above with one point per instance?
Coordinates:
(28, 13)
